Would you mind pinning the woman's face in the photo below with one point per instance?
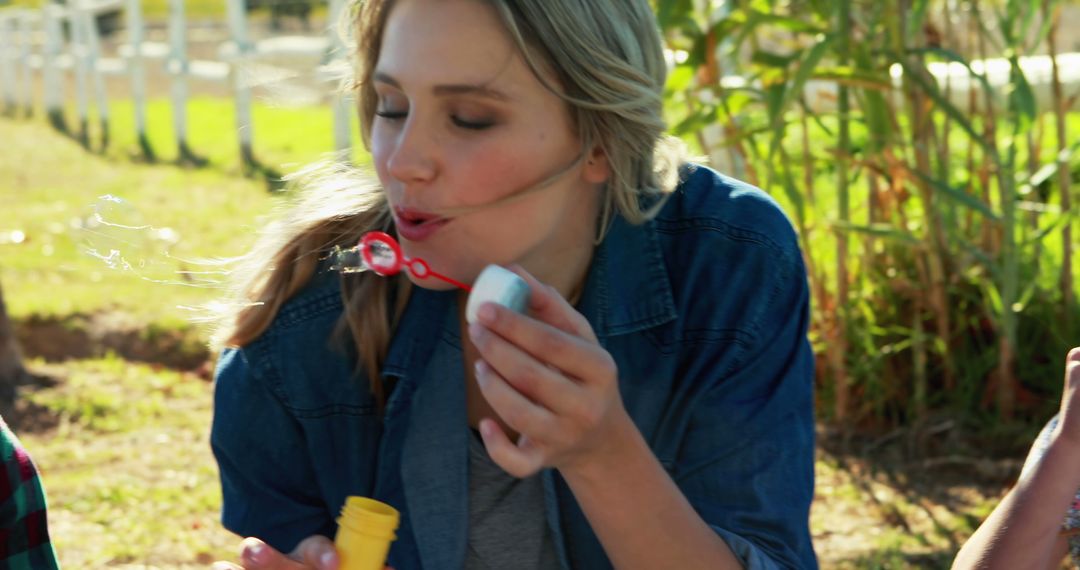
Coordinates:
(462, 121)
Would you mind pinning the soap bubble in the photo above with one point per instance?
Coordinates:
(115, 232)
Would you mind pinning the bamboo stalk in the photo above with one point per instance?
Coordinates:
(1064, 177)
(839, 348)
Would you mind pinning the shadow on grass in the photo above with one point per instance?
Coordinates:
(923, 489)
(25, 416)
(81, 336)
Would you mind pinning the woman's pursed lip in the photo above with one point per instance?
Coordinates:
(418, 231)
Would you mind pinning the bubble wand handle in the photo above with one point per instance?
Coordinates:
(419, 268)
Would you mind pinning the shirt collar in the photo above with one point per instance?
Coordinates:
(627, 289)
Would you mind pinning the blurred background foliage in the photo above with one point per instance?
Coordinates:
(925, 156)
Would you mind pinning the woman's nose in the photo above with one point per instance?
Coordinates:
(413, 158)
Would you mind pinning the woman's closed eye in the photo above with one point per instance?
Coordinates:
(391, 114)
(457, 120)
(471, 124)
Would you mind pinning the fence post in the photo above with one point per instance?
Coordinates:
(7, 66)
(80, 54)
(52, 79)
(341, 102)
(137, 70)
(241, 80)
(22, 32)
(88, 19)
(178, 68)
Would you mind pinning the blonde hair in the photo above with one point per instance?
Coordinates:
(607, 62)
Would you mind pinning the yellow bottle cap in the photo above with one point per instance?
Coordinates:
(365, 530)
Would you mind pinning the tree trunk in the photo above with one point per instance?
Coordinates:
(11, 367)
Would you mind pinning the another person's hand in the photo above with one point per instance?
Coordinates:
(1068, 428)
(548, 378)
(315, 552)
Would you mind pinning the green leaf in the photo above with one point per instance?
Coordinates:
(957, 195)
(878, 230)
(797, 25)
(772, 59)
(951, 56)
(1026, 296)
(680, 78)
(1051, 168)
(792, 191)
(1021, 97)
(931, 89)
(994, 296)
(672, 14)
(877, 115)
(789, 92)
(1063, 219)
(694, 122)
(854, 77)
(916, 17)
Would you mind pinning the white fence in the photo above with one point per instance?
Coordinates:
(33, 41)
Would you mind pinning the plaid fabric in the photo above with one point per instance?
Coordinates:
(24, 532)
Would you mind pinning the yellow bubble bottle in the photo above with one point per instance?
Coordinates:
(365, 530)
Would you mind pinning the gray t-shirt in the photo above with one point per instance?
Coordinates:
(507, 523)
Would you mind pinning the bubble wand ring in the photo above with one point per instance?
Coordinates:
(382, 254)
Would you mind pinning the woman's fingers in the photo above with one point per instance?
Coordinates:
(257, 555)
(576, 356)
(528, 374)
(549, 306)
(313, 552)
(317, 552)
(521, 414)
(520, 460)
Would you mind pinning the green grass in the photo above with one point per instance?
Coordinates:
(127, 469)
(53, 185)
(285, 137)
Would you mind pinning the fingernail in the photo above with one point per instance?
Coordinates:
(327, 560)
(486, 313)
(255, 551)
(479, 367)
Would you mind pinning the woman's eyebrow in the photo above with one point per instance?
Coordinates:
(449, 89)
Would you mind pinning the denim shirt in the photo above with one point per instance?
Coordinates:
(705, 311)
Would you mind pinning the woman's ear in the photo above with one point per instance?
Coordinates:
(597, 168)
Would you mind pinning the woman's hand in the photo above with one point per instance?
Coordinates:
(314, 552)
(548, 378)
(1068, 428)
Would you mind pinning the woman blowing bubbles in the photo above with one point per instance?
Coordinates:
(653, 408)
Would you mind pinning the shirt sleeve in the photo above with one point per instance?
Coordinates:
(267, 480)
(746, 463)
(24, 530)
